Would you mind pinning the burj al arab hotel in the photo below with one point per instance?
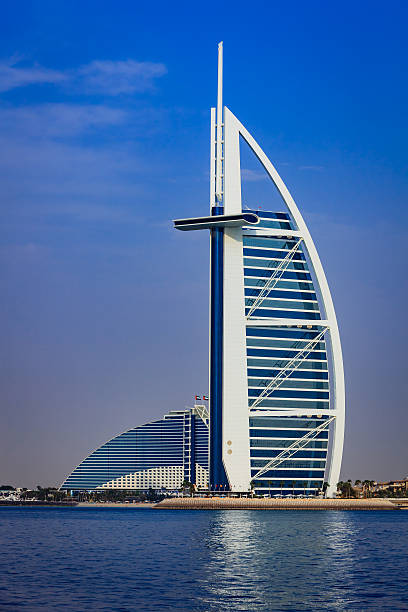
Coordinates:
(277, 397)
(275, 423)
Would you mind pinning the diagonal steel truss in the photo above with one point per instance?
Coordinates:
(202, 412)
(291, 366)
(293, 448)
(274, 278)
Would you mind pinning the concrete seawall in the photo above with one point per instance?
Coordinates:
(214, 503)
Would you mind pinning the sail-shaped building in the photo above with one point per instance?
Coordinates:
(276, 409)
(277, 398)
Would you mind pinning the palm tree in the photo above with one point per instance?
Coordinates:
(187, 486)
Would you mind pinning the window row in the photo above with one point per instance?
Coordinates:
(260, 442)
(290, 384)
(251, 262)
(293, 345)
(274, 364)
(260, 463)
(259, 271)
(284, 353)
(253, 292)
(301, 454)
(291, 422)
(292, 474)
(289, 393)
(285, 433)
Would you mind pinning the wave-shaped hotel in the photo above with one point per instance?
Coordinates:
(275, 422)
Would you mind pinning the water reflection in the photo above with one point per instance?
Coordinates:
(290, 561)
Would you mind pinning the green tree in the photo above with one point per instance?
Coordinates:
(187, 486)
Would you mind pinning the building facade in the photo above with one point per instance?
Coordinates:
(277, 399)
(157, 455)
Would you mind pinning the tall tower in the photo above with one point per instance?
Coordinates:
(276, 370)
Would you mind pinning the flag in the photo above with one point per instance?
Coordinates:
(205, 397)
(197, 398)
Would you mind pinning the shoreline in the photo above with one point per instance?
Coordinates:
(197, 503)
(101, 506)
(218, 503)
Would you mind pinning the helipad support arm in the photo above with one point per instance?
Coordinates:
(213, 222)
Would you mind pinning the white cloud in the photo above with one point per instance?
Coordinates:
(57, 120)
(98, 77)
(316, 168)
(113, 78)
(253, 175)
(12, 76)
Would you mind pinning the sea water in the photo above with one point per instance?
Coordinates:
(144, 559)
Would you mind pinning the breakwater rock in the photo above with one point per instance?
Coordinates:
(242, 503)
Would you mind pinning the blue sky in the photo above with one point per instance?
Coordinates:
(104, 124)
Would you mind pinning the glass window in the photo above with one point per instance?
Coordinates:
(274, 224)
(283, 304)
(295, 345)
(279, 444)
(295, 473)
(276, 332)
(289, 393)
(306, 406)
(270, 254)
(291, 422)
(281, 284)
(270, 453)
(266, 214)
(284, 433)
(271, 264)
(283, 353)
(291, 384)
(295, 374)
(289, 464)
(280, 364)
(253, 292)
(288, 274)
(270, 243)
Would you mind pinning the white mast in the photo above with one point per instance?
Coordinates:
(220, 125)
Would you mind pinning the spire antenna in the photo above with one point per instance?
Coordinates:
(219, 165)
